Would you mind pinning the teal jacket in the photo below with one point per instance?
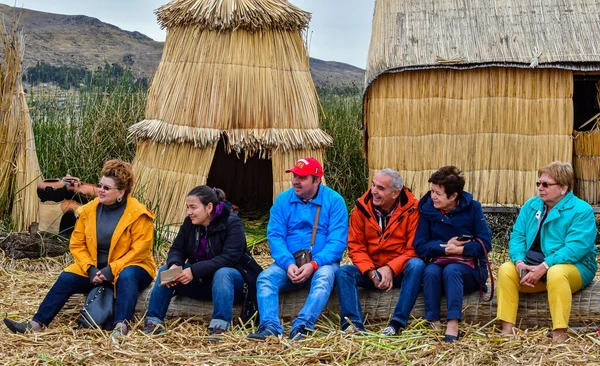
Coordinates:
(568, 234)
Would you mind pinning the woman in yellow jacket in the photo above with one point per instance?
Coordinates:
(111, 244)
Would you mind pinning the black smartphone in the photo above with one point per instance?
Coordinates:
(377, 275)
(523, 273)
(465, 237)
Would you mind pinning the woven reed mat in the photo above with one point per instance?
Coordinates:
(533, 308)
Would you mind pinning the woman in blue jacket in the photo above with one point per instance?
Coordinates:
(455, 267)
(552, 248)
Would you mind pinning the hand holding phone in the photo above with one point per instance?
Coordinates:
(523, 272)
(465, 237)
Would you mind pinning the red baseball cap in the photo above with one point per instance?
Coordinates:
(307, 166)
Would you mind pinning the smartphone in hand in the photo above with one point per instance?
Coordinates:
(377, 275)
(465, 237)
(523, 272)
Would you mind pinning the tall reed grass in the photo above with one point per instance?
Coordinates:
(345, 165)
(75, 132)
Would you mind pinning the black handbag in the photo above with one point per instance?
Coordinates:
(99, 308)
(535, 258)
(249, 271)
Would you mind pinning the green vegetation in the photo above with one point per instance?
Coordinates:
(78, 77)
(75, 132)
(345, 166)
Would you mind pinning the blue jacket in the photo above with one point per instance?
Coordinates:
(435, 229)
(568, 234)
(291, 221)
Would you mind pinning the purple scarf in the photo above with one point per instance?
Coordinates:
(201, 254)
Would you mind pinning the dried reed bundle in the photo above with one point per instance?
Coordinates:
(253, 15)
(235, 70)
(498, 125)
(19, 168)
(263, 80)
(251, 141)
(431, 34)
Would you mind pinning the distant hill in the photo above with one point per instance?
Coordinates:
(82, 41)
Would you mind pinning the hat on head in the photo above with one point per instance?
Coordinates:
(307, 166)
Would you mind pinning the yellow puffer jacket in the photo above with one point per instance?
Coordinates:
(131, 243)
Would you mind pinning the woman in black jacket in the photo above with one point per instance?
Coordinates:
(211, 248)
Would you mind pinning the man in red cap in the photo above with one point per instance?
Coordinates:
(295, 212)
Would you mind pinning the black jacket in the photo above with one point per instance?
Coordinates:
(226, 243)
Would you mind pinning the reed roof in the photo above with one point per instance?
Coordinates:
(251, 15)
(423, 34)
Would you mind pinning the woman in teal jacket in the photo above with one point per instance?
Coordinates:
(552, 248)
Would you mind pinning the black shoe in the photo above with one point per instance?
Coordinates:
(214, 334)
(263, 333)
(450, 338)
(151, 328)
(299, 333)
(17, 327)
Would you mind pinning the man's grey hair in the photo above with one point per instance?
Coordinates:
(397, 182)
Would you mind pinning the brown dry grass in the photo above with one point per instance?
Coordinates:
(23, 284)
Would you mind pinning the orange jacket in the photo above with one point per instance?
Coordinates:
(370, 248)
(131, 243)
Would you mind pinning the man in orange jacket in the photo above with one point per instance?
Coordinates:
(380, 244)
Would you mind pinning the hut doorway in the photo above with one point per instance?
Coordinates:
(586, 97)
(249, 185)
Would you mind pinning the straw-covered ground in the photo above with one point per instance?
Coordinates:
(23, 284)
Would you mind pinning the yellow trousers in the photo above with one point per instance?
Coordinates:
(562, 281)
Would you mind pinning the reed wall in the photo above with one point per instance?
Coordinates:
(233, 80)
(499, 125)
(166, 173)
(586, 165)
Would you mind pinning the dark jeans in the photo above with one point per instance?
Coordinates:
(454, 280)
(348, 278)
(131, 280)
(226, 286)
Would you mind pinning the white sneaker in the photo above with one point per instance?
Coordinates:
(352, 330)
(389, 331)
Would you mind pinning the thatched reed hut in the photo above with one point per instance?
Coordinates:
(19, 167)
(494, 87)
(231, 105)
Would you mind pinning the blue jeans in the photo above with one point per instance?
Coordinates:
(452, 279)
(132, 280)
(226, 286)
(274, 279)
(348, 278)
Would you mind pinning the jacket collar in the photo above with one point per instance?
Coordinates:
(133, 210)
(317, 200)
(567, 203)
(427, 209)
(365, 206)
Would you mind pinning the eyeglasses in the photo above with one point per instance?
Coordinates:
(546, 184)
(104, 187)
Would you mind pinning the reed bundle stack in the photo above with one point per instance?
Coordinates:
(19, 167)
(235, 72)
(489, 91)
(586, 164)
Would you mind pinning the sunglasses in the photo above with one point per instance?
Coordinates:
(104, 187)
(546, 184)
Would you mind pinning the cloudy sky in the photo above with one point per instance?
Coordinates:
(340, 30)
